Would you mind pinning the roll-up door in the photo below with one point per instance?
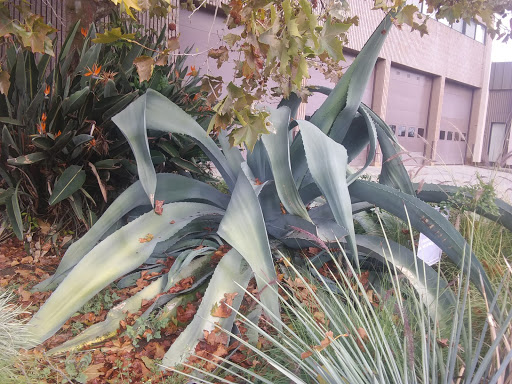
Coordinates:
(452, 140)
(407, 111)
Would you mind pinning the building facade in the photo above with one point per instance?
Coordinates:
(431, 90)
(498, 139)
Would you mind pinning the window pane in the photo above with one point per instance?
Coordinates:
(458, 26)
(411, 132)
(441, 135)
(463, 138)
(456, 136)
(393, 128)
(449, 135)
(470, 29)
(421, 132)
(480, 33)
(401, 131)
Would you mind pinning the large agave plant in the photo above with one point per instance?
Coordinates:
(276, 173)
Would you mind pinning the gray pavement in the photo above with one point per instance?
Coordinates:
(458, 175)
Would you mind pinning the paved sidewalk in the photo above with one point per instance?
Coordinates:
(458, 175)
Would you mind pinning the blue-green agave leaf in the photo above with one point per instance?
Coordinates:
(278, 147)
(108, 328)
(435, 193)
(243, 227)
(118, 254)
(427, 220)
(171, 188)
(327, 161)
(231, 276)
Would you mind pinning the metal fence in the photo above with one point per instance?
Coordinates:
(55, 14)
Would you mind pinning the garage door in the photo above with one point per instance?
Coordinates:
(407, 111)
(451, 146)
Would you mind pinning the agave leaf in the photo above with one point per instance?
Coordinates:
(434, 193)
(108, 328)
(293, 102)
(278, 147)
(421, 276)
(171, 188)
(132, 123)
(258, 162)
(231, 276)
(393, 172)
(337, 112)
(371, 136)
(68, 183)
(152, 111)
(117, 255)
(244, 212)
(427, 220)
(327, 161)
(233, 155)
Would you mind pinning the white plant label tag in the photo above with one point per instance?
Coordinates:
(429, 252)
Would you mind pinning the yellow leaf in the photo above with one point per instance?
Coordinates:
(127, 4)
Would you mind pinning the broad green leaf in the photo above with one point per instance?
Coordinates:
(126, 248)
(171, 188)
(29, 159)
(88, 59)
(258, 162)
(169, 148)
(244, 211)
(330, 41)
(66, 46)
(110, 89)
(278, 147)
(8, 120)
(231, 275)
(428, 221)
(327, 161)
(68, 183)
(14, 213)
(43, 142)
(75, 101)
(7, 141)
(108, 328)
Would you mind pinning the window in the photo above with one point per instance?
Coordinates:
(480, 33)
(441, 135)
(421, 132)
(411, 132)
(470, 29)
(393, 128)
(458, 26)
(463, 138)
(449, 136)
(456, 136)
(401, 131)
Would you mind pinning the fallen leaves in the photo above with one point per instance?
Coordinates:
(159, 207)
(146, 239)
(221, 309)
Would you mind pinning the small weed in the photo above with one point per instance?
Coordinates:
(75, 369)
(103, 300)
